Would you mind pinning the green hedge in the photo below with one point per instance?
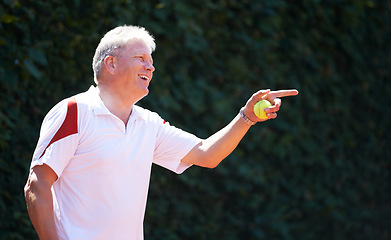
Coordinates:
(321, 170)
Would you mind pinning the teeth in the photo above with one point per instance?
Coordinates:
(144, 77)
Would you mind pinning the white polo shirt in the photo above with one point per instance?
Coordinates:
(104, 168)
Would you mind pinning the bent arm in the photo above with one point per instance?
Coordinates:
(211, 151)
(39, 201)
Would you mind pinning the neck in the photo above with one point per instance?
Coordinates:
(115, 103)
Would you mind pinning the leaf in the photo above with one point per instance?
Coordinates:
(7, 18)
(32, 69)
(38, 56)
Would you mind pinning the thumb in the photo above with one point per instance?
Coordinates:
(261, 94)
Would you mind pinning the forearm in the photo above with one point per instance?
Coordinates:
(211, 151)
(40, 209)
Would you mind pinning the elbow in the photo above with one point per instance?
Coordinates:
(202, 161)
(209, 163)
(212, 165)
(204, 156)
(209, 160)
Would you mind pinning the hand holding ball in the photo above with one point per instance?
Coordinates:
(259, 109)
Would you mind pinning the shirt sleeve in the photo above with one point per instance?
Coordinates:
(58, 138)
(172, 145)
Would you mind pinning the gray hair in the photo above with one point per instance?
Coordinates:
(117, 38)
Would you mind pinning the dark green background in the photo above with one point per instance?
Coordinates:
(321, 170)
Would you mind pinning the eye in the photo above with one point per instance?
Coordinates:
(141, 58)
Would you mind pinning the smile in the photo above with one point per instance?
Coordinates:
(144, 77)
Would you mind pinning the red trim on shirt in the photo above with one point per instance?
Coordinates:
(69, 126)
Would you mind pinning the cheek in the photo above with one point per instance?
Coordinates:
(133, 68)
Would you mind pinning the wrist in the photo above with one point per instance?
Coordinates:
(245, 118)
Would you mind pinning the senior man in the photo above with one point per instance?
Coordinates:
(90, 171)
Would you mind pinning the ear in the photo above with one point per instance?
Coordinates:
(109, 63)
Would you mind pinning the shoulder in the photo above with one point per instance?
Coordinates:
(61, 119)
(72, 106)
(57, 112)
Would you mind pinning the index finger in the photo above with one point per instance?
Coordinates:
(284, 93)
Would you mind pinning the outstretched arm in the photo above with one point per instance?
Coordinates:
(211, 151)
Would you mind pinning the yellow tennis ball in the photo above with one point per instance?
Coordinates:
(259, 108)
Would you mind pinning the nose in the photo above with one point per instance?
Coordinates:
(149, 66)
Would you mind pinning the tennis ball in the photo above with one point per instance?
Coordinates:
(259, 108)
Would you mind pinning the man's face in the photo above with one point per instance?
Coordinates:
(134, 70)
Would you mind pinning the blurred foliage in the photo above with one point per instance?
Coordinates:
(319, 171)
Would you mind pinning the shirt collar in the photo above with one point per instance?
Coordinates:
(99, 107)
(137, 113)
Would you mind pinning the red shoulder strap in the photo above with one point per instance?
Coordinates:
(69, 126)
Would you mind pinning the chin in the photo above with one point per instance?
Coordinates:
(145, 93)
